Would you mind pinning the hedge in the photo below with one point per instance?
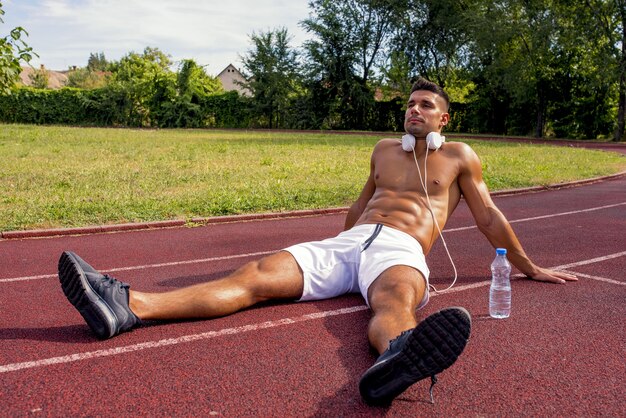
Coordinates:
(115, 107)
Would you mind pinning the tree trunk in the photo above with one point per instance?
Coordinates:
(541, 116)
(619, 132)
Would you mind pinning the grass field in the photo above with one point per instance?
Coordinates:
(67, 177)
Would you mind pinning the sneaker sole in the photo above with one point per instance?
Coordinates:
(96, 312)
(432, 347)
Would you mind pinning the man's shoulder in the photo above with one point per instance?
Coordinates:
(458, 146)
(466, 158)
(459, 149)
(387, 143)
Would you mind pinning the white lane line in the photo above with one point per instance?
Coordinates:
(247, 328)
(590, 261)
(26, 278)
(201, 260)
(146, 266)
(174, 341)
(207, 260)
(535, 218)
(588, 276)
(562, 268)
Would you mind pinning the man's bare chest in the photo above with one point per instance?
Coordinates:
(403, 175)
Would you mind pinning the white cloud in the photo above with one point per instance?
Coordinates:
(65, 32)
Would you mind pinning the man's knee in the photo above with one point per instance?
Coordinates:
(397, 287)
(274, 277)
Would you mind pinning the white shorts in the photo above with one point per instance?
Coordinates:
(350, 262)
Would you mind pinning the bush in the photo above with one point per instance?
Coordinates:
(111, 106)
(114, 105)
(39, 106)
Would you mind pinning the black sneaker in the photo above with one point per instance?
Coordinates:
(100, 299)
(431, 347)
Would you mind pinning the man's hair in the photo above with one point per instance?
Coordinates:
(423, 84)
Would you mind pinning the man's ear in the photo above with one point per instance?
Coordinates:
(445, 118)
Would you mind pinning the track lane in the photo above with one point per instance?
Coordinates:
(311, 367)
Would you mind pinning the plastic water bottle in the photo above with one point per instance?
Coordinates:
(500, 291)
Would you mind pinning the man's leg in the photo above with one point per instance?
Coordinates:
(277, 276)
(109, 307)
(393, 298)
(409, 353)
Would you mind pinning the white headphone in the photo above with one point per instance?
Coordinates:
(433, 141)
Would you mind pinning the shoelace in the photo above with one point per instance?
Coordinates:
(433, 380)
(112, 281)
(396, 340)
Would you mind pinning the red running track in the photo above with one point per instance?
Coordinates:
(561, 353)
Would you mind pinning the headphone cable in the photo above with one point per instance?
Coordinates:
(423, 183)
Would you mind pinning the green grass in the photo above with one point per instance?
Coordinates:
(66, 177)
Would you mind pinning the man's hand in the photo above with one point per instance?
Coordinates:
(552, 276)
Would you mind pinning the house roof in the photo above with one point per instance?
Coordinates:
(230, 68)
(56, 79)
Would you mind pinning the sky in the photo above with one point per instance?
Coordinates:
(213, 33)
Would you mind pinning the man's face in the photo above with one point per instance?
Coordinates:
(425, 113)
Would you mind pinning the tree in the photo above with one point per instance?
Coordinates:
(141, 84)
(97, 62)
(192, 82)
(555, 58)
(396, 75)
(185, 109)
(93, 76)
(13, 51)
(584, 96)
(522, 58)
(39, 78)
(348, 45)
(433, 37)
(618, 37)
(85, 79)
(271, 68)
(371, 23)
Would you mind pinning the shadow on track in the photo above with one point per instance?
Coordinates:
(71, 334)
(355, 356)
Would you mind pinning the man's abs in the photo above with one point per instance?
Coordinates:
(409, 214)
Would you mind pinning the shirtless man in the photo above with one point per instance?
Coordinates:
(381, 254)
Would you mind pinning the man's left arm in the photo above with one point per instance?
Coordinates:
(493, 224)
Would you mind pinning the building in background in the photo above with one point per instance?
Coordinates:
(231, 77)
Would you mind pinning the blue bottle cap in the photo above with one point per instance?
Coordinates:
(501, 251)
